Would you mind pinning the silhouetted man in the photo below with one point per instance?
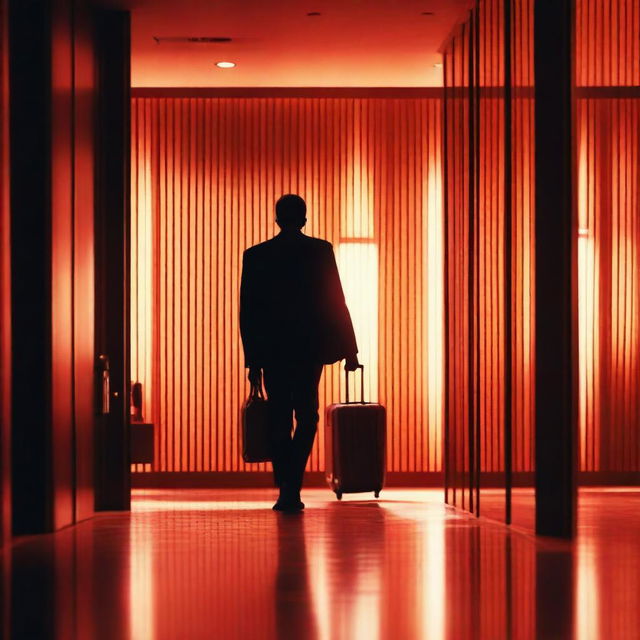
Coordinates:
(293, 320)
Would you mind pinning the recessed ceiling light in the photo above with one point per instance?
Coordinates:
(225, 65)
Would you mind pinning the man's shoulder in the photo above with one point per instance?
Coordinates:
(319, 243)
(259, 248)
(272, 244)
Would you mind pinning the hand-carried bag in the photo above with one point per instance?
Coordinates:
(255, 427)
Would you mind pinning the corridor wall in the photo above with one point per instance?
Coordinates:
(608, 167)
(52, 263)
(489, 249)
(206, 172)
(489, 261)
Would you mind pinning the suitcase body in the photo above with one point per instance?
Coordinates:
(355, 447)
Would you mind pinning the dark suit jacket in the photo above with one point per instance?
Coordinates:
(292, 306)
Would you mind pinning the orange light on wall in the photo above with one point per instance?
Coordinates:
(588, 303)
(142, 255)
(433, 306)
(358, 266)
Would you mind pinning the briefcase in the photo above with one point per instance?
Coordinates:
(255, 427)
(355, 445)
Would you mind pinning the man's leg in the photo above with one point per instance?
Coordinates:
(305, 404)
(277, 382)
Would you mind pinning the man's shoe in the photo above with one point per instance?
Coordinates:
(288, 503)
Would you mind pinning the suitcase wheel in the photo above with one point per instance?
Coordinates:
(339, 495)
(376, 493)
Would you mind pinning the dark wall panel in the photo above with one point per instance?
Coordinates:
(52, 263)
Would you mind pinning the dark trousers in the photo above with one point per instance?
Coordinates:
(292, 387)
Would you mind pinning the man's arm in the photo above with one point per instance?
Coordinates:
(341, 312)
(248, 314)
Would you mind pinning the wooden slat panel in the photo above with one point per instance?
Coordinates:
(457, 146)
(608, 149)
(206, 174)
(477, 274)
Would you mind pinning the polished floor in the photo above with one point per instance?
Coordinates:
(220, 564)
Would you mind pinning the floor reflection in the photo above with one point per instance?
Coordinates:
(221, 564)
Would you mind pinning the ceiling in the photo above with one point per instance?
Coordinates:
(353, 43)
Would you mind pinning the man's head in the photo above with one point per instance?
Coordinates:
(291, 212)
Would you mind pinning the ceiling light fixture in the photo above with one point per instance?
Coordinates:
(225, 65)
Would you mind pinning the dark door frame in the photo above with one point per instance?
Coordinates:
(113, 204)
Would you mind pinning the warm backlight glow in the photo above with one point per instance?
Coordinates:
(358, 265)
(205, 176)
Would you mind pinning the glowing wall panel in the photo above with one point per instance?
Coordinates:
(358, 266)
(609, 291)
(608, 175)
(206, 173)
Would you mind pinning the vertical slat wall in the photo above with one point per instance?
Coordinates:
(608, 179)
(457, 169)
(608, 160)
(206, 174)
(522, 243)
(489, 236)
(489, 256)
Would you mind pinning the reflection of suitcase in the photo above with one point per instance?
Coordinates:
(355, 445)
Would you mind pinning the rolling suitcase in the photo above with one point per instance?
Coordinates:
(355, 441)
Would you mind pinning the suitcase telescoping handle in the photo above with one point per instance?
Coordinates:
(346, 381)
(256, 392)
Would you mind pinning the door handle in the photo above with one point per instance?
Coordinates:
(104, 392)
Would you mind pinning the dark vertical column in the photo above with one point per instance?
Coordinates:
(112, 255)
(556, 265)
(30, 157)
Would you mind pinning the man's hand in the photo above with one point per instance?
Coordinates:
(255, 376)
(351, 363)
